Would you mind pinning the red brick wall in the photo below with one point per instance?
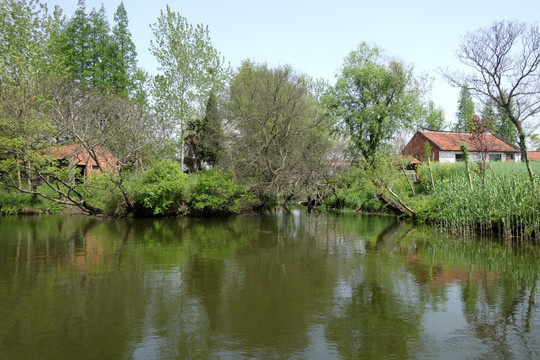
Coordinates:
(415, 148)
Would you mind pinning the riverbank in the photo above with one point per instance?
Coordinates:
(498, 202)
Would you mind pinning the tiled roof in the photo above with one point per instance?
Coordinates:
(534, 155)
(64, 151)
(79, 155)
(411, 160)
(450, 141)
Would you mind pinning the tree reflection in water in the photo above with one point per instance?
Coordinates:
(286, 285)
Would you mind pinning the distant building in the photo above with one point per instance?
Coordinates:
(445, 147)
(78, 156)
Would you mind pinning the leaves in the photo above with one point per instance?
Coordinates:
(373, 98)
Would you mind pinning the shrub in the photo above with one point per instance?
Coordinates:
(161, 190)
(214, 192)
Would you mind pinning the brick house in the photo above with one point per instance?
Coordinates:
(534, 155)
(78, 156)
(445, 147)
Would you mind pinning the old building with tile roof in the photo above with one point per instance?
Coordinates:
(79, 157)
(445, 146)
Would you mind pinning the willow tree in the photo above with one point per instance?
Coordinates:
(190, 69)
(504, 60)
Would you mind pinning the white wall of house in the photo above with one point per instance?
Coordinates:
(450, 156)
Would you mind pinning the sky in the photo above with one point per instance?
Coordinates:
(315, 36)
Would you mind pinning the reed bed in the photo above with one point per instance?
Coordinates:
(506, 205)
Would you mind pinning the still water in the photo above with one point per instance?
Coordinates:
(279, 286)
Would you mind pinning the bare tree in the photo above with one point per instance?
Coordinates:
(505, 60)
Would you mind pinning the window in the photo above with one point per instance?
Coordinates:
(494, 157)
(509, 156)
(459, 157)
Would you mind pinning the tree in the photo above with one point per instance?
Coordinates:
(374, 97)
(25, 65)
(76, 45)
(505, 63)
(535, 142)
(124, 55)
(205, 138)
(432, 117)
(500, 124)
(465, 111)
(191, 68)
(280, 135)
(479, 127)
(100, 51)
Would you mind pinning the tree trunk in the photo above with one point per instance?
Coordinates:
(525, 158)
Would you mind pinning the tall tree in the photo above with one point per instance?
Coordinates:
(124, 55)
(280, 135)
(374, 97)
(209, 130)
(100, 50)
(25, 65)
(465, 112)
(76, 45)
(505, 63)
(190, 69)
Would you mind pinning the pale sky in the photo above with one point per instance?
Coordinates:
(314, 36)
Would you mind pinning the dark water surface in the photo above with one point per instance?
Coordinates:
(281, 286)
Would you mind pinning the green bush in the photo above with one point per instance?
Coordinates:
(161, 190)
(214, 192)
(356, 192)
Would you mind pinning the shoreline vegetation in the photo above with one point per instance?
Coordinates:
(84, 128)
(501, 205)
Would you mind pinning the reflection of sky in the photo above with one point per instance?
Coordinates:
(446, 326)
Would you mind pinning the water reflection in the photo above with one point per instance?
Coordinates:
(281, 286)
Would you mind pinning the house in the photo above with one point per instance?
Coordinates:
(445, 147)
(534, 155)
(78, 156)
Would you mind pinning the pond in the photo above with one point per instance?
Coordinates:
(279, 286)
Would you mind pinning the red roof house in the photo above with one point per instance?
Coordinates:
(78, 156)
(445, 146)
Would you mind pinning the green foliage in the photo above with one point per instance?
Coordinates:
(500, 123)
(504, 205)
(280, 137)
(215, 193)
(535, 142)
(465, 111)
(161, 190)
(357, 192)
(432, 117)
(373, 98)
(97, 57)
(15, 202)
(441, 172)
(191, 68)
(124, 55)
(212, 140)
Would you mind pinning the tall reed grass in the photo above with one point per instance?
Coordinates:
(505, 205)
